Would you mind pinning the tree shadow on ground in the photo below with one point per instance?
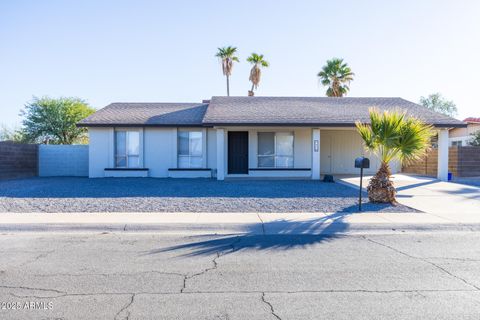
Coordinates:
(274, 235)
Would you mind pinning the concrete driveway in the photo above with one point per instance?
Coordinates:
(448, 200)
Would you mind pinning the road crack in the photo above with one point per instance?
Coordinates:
(424, 260)
(38, 257)
(215, 264)
(33, 289)
(237, 291)
(272, 311)
(107, 274)
(188, 277)
(125, 309)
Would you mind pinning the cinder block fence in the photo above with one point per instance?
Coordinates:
(63, 160)
(18, 160)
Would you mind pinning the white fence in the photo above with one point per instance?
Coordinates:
(63, 160)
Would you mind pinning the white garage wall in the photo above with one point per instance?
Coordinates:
(63, 160)
(339, 148)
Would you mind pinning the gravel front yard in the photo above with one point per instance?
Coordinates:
(174, 195)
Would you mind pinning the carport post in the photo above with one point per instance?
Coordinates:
(442, 170)
(316, 154)
(220, 154)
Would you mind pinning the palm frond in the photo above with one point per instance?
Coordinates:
(394, 135)
(366, 133)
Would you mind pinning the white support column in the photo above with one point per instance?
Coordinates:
(316, 154)
(220, 154)
(442, 172)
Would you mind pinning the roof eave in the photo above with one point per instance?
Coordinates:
(314, 124)
(110, 125)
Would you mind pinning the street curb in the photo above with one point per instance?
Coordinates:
(275, 228)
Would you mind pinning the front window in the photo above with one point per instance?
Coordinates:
(275, 149)
(190, 149)
(127, 149)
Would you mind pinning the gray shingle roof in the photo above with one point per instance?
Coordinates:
(257, 111)
(147, 114)
(311, 111)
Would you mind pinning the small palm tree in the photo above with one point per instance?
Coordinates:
(256, 72)
(337, 75)
(227, 56)
(392, 136)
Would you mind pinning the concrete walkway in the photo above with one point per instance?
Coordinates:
(445, 200)
(243, 223)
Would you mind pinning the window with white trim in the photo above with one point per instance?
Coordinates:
(275, 149)
(127, 149)
(190, 148)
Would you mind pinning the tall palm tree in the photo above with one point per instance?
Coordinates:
(392, 136)
(337, 75)
(256, 72)
(227, 56)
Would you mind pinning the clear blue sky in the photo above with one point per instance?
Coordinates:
(107, 51)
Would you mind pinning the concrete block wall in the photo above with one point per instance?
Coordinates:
(18, 160)
(63, 160)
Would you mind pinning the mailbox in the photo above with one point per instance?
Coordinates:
(362, 162)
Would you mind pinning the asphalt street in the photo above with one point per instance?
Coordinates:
(400, 275)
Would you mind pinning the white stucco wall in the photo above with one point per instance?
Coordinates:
(211, 149)
(338, 149)
(100, 151)
(160, 150)
(302, 148)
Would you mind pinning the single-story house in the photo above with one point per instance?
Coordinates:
(463, 136)
(226, 137)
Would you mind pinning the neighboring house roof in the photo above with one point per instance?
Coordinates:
(324, 111)
(147, 114)
(260, 111)
(472, 120)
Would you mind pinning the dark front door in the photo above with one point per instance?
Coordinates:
(238, 152)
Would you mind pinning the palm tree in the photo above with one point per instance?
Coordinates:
(256, 72)
(227, 57)
(337, 75)
(392, 135)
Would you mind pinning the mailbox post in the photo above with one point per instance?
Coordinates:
(362, 163)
